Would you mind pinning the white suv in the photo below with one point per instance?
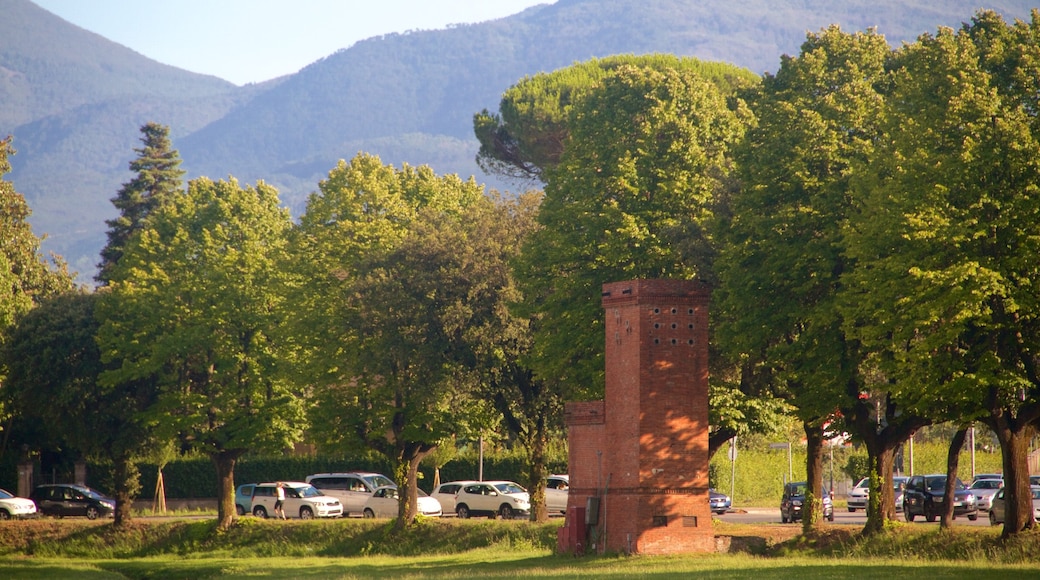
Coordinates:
(491, 499)
(302, 500)
(352, 489)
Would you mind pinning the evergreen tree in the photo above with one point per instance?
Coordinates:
(158, 176)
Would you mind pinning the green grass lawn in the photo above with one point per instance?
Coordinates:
(358, 548)
(496, 563)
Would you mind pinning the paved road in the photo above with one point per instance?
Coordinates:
(772, 515)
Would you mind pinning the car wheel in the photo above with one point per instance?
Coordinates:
(783, 518)
(462, 510)
(830, 518)
(929, 517)
(909, 516)
(240, 510)
(306, 513)
(260, 512)
(973, 517)
(4, 515)
(93, 513)
(368, 513)
(992, 518)
(506, 511)
(852, 510)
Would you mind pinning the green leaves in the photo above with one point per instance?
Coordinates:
(195, 303)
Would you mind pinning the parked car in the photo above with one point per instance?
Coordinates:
(384, 502)
(859, 495)
(352, 489)
(67, 499)
(793, 499)
(12, 506)
(979, 476)
(244, 498)
(998, 509)
(491, 499)
(984, 490)
(445, 494)
(899, 489)
(924, 496)
(302, 500)
(720, 502)
(556, 493)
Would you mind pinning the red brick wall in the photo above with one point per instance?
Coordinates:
(650, 455)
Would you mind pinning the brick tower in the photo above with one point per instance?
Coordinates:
(641, 454)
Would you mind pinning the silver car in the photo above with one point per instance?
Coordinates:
(997, 507)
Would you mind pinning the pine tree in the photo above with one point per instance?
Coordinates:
(158, 176)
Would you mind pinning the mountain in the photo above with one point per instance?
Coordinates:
(74, 101)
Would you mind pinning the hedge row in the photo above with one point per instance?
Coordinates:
(197, 478)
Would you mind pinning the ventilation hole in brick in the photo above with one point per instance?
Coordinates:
(674, 310)
(690, 312)
(657, 325)
(689, 521)
(690, 326)
(657, 341)
(674, 326)
(690, 342)
(675, 342)
(660, 521)
(657, 310)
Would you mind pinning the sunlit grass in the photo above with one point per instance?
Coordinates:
(496, 563)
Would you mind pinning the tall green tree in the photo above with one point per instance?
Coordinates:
(630, 198)
(53, 366)
(783, 257)
(394, 278)
(158, 177)
(947, 236)
(194, 302)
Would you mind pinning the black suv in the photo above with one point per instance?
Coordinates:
(924, 496)
(793, 499)
(67, 499)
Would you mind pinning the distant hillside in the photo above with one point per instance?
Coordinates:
(74, 101)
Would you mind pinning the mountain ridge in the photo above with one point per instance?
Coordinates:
(407, 97)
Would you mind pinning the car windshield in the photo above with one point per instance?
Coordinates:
(4, 494)
(986, 484)
(509, 488)
(939, 484)
(307, 491)
(378, 481)
(89, 493)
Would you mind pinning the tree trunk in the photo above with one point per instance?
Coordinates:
(953, 458)
(406, 475)
(537, 472)
(1014, 435)
(225, 464)
(125, 479)
(812, 510)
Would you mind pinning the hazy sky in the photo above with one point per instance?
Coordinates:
(245, 41)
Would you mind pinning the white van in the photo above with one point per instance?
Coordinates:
(352, 489)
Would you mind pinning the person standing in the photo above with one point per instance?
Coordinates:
(279, 500)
